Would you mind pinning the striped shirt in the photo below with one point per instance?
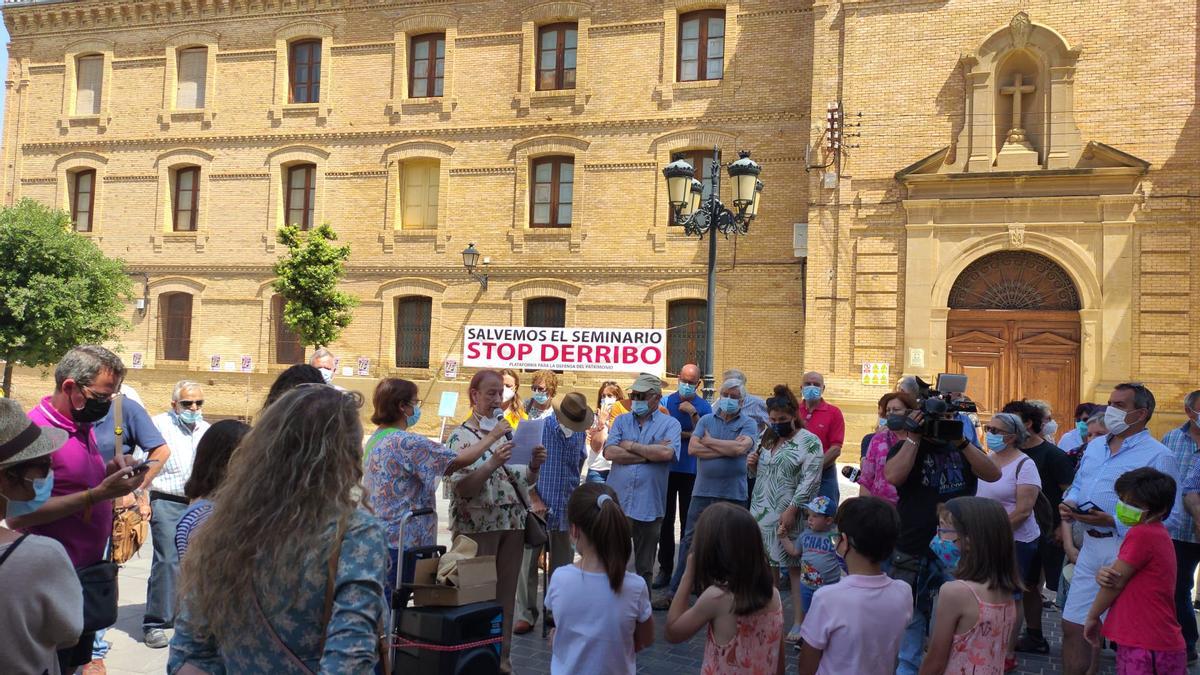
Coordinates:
(182, 441)
(196, 514)
(559, 475)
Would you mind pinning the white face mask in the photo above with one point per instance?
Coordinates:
(1114, 419)
(509, 392)
(1050, 429)
(608, 401)
(486, 422)
(327, 375)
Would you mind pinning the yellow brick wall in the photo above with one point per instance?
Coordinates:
(617, 266)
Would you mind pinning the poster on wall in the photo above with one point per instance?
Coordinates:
(364, 366)
(247, 363)
(618, 350)
(137, 361)
(450, 369)
(876, 374)
(214, 363)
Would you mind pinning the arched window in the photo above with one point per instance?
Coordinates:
(185, 198)
(175, 321)
(413, 321)
(304, 71)
(557, 44)
(83, 199)
(546, 312)
(553, 193)
(300, 195)
(419, 193)
(686, 334)
(288, 348)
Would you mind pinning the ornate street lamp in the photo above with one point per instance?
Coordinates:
(699, 216)
(470, 260)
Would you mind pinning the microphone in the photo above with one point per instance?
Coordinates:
(499, 415)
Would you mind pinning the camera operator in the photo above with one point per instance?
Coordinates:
(927, 470)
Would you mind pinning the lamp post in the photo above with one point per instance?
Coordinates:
(699, 216)
(470, 260)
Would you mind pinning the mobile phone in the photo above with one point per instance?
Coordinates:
(142, 468)
(1086, 507)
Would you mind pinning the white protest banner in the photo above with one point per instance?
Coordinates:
(627, 350)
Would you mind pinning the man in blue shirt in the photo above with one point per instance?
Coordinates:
(1092, 500)
(720, 442)
(641, 446)
(1184, 443)
(686, 407)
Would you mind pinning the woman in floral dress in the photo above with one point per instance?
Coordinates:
(787, 465)
(872, 482)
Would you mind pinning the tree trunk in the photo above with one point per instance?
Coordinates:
(8, 371)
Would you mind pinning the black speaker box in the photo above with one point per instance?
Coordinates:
(449, 627)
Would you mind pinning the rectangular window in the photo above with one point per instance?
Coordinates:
(83, 199)
(175, 312)
(192, 72)
(304, 71)
(89, 83)
(413, 320)
(427, 65)
(552, 194)
(556, 56)
(419, 193)
(186, 198)
(287, 344)
(685, 334)
(300, 192)
(701, 46)
(546, 313)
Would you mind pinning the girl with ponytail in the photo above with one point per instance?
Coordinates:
(787, 465)
(602, 613)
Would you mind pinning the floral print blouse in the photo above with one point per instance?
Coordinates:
(497, 507)
(755, 648)
(872, 476)
(296, 610)
(402, 473)
(788, 475)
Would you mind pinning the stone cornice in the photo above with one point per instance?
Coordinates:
(517, 130)
(358, 272)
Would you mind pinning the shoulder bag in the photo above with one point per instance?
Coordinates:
(130, 530)
(536, 530)
(1043, 512)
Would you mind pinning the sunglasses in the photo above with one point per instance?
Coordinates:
(187, 404)
(104, 398)
(639, 396)
(537, 390)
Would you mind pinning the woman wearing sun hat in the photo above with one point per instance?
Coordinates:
(41, 603)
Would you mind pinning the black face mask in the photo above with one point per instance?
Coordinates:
(92, 411)
(783, 429)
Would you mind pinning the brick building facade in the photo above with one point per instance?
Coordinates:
(1071, 188)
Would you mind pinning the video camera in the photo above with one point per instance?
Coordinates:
(940, 406)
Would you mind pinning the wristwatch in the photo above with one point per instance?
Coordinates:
(963, 445)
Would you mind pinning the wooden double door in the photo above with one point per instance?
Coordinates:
(1014, 354)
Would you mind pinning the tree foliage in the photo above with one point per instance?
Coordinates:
(57, 289)
(308, 278)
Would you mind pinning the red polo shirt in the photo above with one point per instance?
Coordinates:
(826, 422)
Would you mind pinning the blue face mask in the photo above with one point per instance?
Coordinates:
(190, 416)
(687, 390)
(995, 442)
(946, 551)
(728, 405)
(641, 407)
(811, 392)
(415, 416)
(540, 397)
(1081, 427)
(41, 493)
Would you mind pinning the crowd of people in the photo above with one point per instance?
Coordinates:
(281, 543)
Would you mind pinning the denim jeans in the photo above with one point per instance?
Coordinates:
(164, 569)
(829, 484)
(100, 646)
(1187, 556)
(685, 540)
(679, 493)
(926, 577)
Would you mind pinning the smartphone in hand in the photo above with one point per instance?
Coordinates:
(141, 469)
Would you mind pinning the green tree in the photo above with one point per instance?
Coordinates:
(308, 278)
(57, 290)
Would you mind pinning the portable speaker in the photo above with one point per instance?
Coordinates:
(449, 627)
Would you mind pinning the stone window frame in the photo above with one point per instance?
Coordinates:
(570, 293)
(523, 154)
(68, 165)
(393, 159)
(660, 295)
(284, 37)
(669, 85)
(404, 30)
(166, 164)
(532, 19)
(440, 342)
(661, 149)
(175, 44)
(278, 161)
(175, 284)
(103, 118)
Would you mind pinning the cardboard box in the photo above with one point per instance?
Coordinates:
(476, 578)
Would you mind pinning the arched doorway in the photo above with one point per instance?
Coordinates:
(1013, 329)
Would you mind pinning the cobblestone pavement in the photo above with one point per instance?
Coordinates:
(530, 654)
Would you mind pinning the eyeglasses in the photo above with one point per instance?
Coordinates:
(103, 398)
(694, 383)
(537, 390)
(640, 396)
(187, 404)
(994, 430)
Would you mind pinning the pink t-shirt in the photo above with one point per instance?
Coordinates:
(77, 466)
(1143, 615)
(858, 610)
(1005, 492)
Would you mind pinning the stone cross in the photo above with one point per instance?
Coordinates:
(1016, 90)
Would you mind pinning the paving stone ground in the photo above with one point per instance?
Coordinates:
(530, 653)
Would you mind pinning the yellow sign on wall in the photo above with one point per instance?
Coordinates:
(877, 374)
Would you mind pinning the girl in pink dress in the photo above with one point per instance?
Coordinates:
(738, 602)
(975, 612)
